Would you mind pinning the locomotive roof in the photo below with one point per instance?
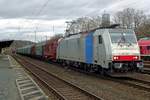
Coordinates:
(111, 30)
(120, 30)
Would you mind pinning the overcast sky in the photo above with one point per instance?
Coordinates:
(20, 18)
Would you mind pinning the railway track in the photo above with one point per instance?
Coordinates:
(146, 71)
(136, 83)
(146, 67)
(147, 64)
(62, 89)
(129, 81)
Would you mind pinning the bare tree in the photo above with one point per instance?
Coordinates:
(119, 19)
(144, 28)
(129, 18)
(139, 18)
(83, 24)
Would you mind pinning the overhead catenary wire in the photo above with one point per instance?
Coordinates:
(42, 8)
(38, 13)
(35, 15)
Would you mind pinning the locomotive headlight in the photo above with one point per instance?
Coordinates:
(135, 57)
(115, 57)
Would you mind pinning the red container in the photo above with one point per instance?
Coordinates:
(144, 47)
(50, 49)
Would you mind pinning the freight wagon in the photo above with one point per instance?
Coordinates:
(39, 49)
(24, 50)
(144, 48)
(45, 50)
(50, 48)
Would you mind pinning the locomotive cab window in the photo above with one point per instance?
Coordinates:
(100, 39)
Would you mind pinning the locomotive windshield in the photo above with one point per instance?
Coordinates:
(122, 38)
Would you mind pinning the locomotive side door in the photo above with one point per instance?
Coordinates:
(101, 56)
